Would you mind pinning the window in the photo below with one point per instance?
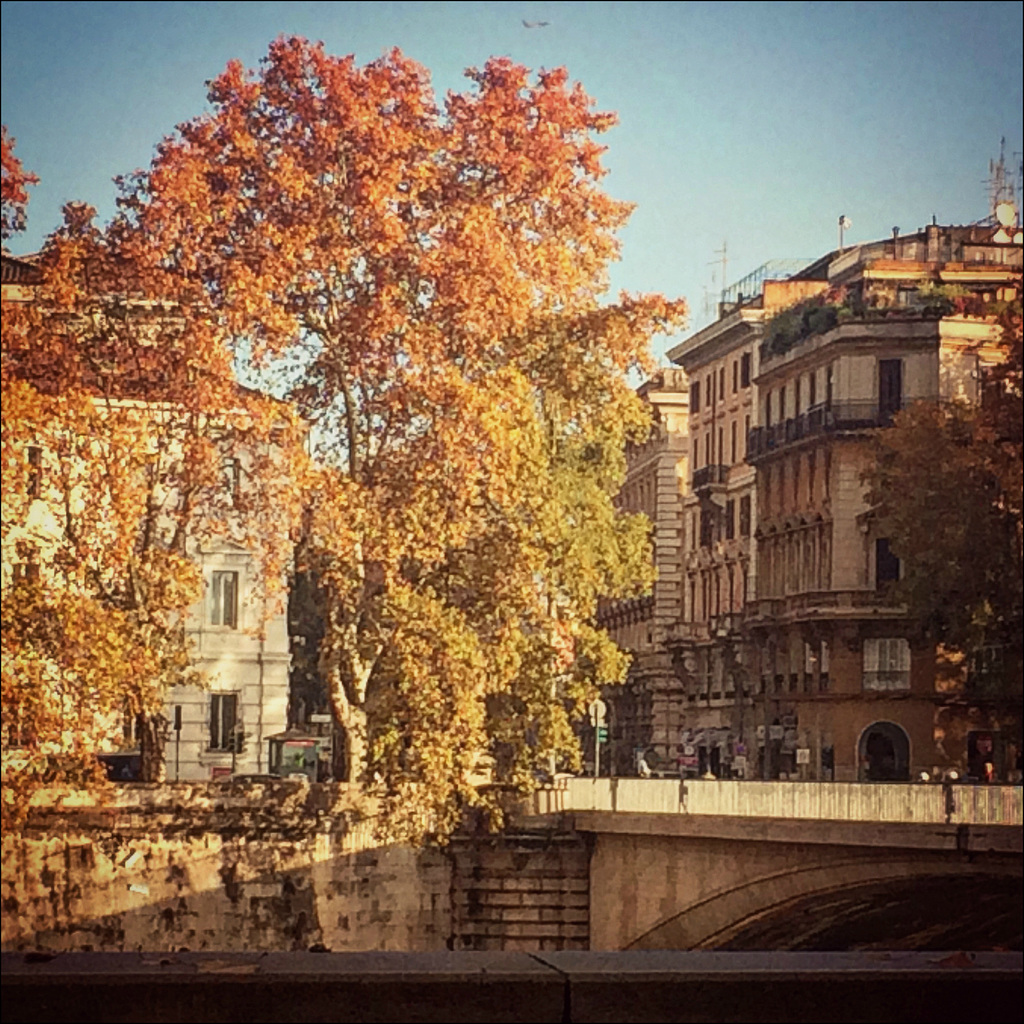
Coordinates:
(231, 470)
(887, 664)
(890, 388)
(887, 565)
(224, 599)
(707, 528)
(745, 370)
(696, 450)
(829, 378)
(796, 398)
(721, 384)
(709, 389)
(782, 403)
(730, 520)
(768, 409)
(733, 431)
(746, 433)
(745, 516)
(735, 376)
(27, 566)
(707, 448)
(988, 667)
(810, 666)
(812, 389)
(695, 396)
(35, 471)
(223, 720)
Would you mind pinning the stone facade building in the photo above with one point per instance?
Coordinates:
(789, 658)
(719, 514)
(222, 729)
(647, 713)
(846, 683)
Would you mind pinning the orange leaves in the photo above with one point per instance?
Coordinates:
(15, 182)
(128, 394)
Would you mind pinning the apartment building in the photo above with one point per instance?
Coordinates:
(719, 561)
(845, 683)
(645, 715)
(223, 727)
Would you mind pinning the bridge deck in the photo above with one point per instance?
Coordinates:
(818, 801)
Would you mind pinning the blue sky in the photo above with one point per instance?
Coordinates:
(756, 124)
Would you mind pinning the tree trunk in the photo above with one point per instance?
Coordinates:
(152, 741)
(355, 725)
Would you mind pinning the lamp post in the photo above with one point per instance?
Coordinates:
(598, 719)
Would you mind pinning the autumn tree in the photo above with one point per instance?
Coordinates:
(424, 280)
(119, 410)
(946, 481)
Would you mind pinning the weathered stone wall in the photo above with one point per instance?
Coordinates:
(277, 866)
(521, 892)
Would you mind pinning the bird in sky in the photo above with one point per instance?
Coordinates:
(535, 24)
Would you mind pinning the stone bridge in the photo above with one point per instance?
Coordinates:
(734, 865)
(599, 865)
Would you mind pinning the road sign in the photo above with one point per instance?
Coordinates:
(598, 712)
(602, 734)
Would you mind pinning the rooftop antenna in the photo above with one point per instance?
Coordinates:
(707, 306)
(844, 225)
(725, 262)
(1002, 188)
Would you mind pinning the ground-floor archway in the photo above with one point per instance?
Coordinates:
(883, 753)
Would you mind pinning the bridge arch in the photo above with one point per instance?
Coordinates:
(778, 905)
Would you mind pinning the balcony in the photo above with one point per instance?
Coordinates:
(837, 417)
(710, 478)
(819, 604)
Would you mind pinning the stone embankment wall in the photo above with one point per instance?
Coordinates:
(276, 866)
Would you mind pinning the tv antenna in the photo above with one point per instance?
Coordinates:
(724, 259)
(844, 225)
(1003, 185)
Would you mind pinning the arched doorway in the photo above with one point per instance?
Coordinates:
(884, 753)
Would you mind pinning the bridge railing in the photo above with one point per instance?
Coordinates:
(821, 801)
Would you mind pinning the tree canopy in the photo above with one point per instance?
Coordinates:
(424, 281)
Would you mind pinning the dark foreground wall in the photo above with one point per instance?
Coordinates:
(557, 987)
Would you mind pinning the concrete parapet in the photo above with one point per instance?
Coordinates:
(820, 801)
(509, 986)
